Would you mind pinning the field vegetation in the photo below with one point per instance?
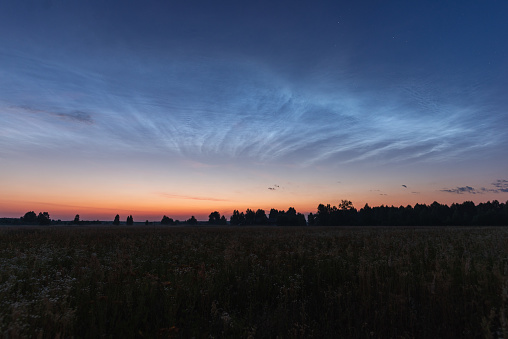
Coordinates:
(258, 282)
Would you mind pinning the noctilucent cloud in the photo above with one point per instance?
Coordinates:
(151, 108)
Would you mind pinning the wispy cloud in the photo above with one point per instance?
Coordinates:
(461, 190)
(76, 116)
(188, 197)
(500, 186)
(203, 109)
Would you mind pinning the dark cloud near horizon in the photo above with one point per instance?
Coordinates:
(461, 190)
(501, 186)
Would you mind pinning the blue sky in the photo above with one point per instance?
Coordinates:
(215, 103)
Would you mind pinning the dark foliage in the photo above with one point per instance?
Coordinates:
(238, 218)
(11, 221)
(43, 218)
(465, 214)
(311, 219)
(215, 219)
(192, 221)
(29, 217)
(260, 218)
(250, 217)
(167, 221)
(289, 218)
(435, 214)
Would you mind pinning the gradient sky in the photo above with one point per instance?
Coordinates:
(157, 107)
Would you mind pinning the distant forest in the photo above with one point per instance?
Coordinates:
(345, 214)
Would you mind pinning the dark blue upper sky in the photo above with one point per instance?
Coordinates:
(372, 87)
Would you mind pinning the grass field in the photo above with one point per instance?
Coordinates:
(253, 282)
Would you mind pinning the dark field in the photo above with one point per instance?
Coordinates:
(253, 282)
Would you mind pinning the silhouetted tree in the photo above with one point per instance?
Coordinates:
(76, 219)
(291, 218)
(130, 220)
(43, 218)
(192, 221)
(146, 222)
(260, 218)
(408, 215)
(365, 215)
(29, 217)
(300, 220)
(167, 221)
(504, 213)
(328, 215)
(117, 220)
(324, 215)
(346, 214)
(238, 218)
(345, 205)
(250, 217)
(214, 218)
(436, 214)
(311, 220)
(272, 217)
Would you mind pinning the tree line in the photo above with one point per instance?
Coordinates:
(345, 214)
(436, 214)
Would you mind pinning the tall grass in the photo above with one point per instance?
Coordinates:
(253, 282)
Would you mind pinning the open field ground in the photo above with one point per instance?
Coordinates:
(253, 282)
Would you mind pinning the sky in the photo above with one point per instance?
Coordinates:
(155, 108)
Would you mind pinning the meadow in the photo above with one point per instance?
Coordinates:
(253, 282)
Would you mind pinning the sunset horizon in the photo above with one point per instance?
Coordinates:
(104, 214)
(176, 109)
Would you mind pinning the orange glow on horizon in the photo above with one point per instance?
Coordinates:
(183, 208)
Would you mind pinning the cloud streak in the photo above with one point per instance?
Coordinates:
(188, 197)
(76, 116)
(500, 186)
(461, 190)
